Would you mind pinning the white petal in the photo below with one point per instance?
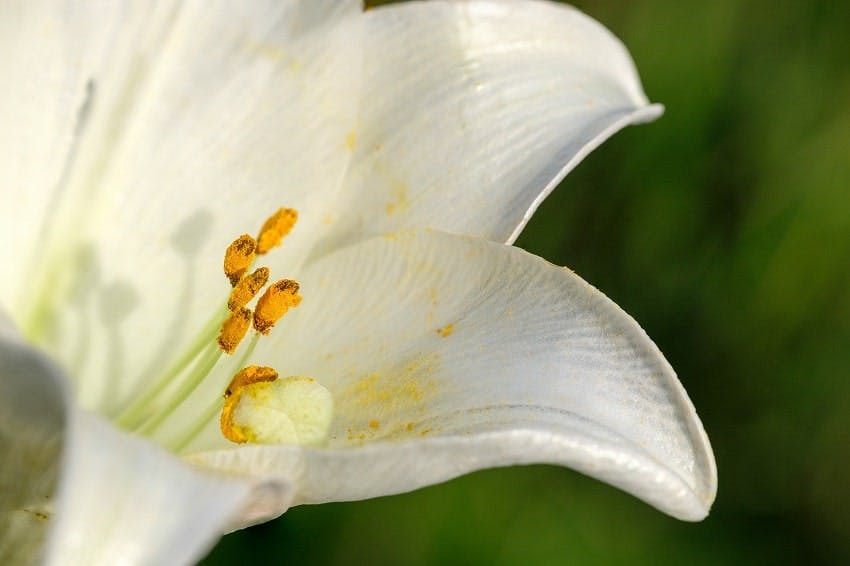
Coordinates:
(123, 500)
(50, 55)
(32, 418)
(474, 111)
(207, 117)
(120, 500)
(447, 354)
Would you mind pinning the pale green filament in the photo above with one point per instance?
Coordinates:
(199, 372)
(141, 408)
(213, 408)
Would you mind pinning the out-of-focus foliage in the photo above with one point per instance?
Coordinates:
(724, 228)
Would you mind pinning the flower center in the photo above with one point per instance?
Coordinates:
(258, 406)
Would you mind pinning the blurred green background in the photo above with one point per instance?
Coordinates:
(724, 229)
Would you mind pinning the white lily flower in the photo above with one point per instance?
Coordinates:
(414, 141)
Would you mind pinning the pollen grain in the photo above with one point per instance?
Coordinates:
(446, 331)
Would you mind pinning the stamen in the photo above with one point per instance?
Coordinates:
(275, 229)
(259, 407)
(238, 257)
(247, 288)
(274, 303)
(233, 330)
(263, 408)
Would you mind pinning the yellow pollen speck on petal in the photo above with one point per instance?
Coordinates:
(446, 331)
(274, 303)
(247, 288)
(238, 257)
(234, 329)
(400, 200)
(276, 228)
(389, 402)
(351, 140)
(262, 408)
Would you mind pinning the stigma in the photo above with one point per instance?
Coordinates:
(262, 408)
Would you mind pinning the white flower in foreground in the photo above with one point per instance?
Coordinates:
(140, 140)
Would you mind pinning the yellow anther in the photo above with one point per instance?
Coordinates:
(246, 377)
(238, 257)
(247, 288)
(274, 303)
(276, 228)
(260, 407)
(233, 330)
